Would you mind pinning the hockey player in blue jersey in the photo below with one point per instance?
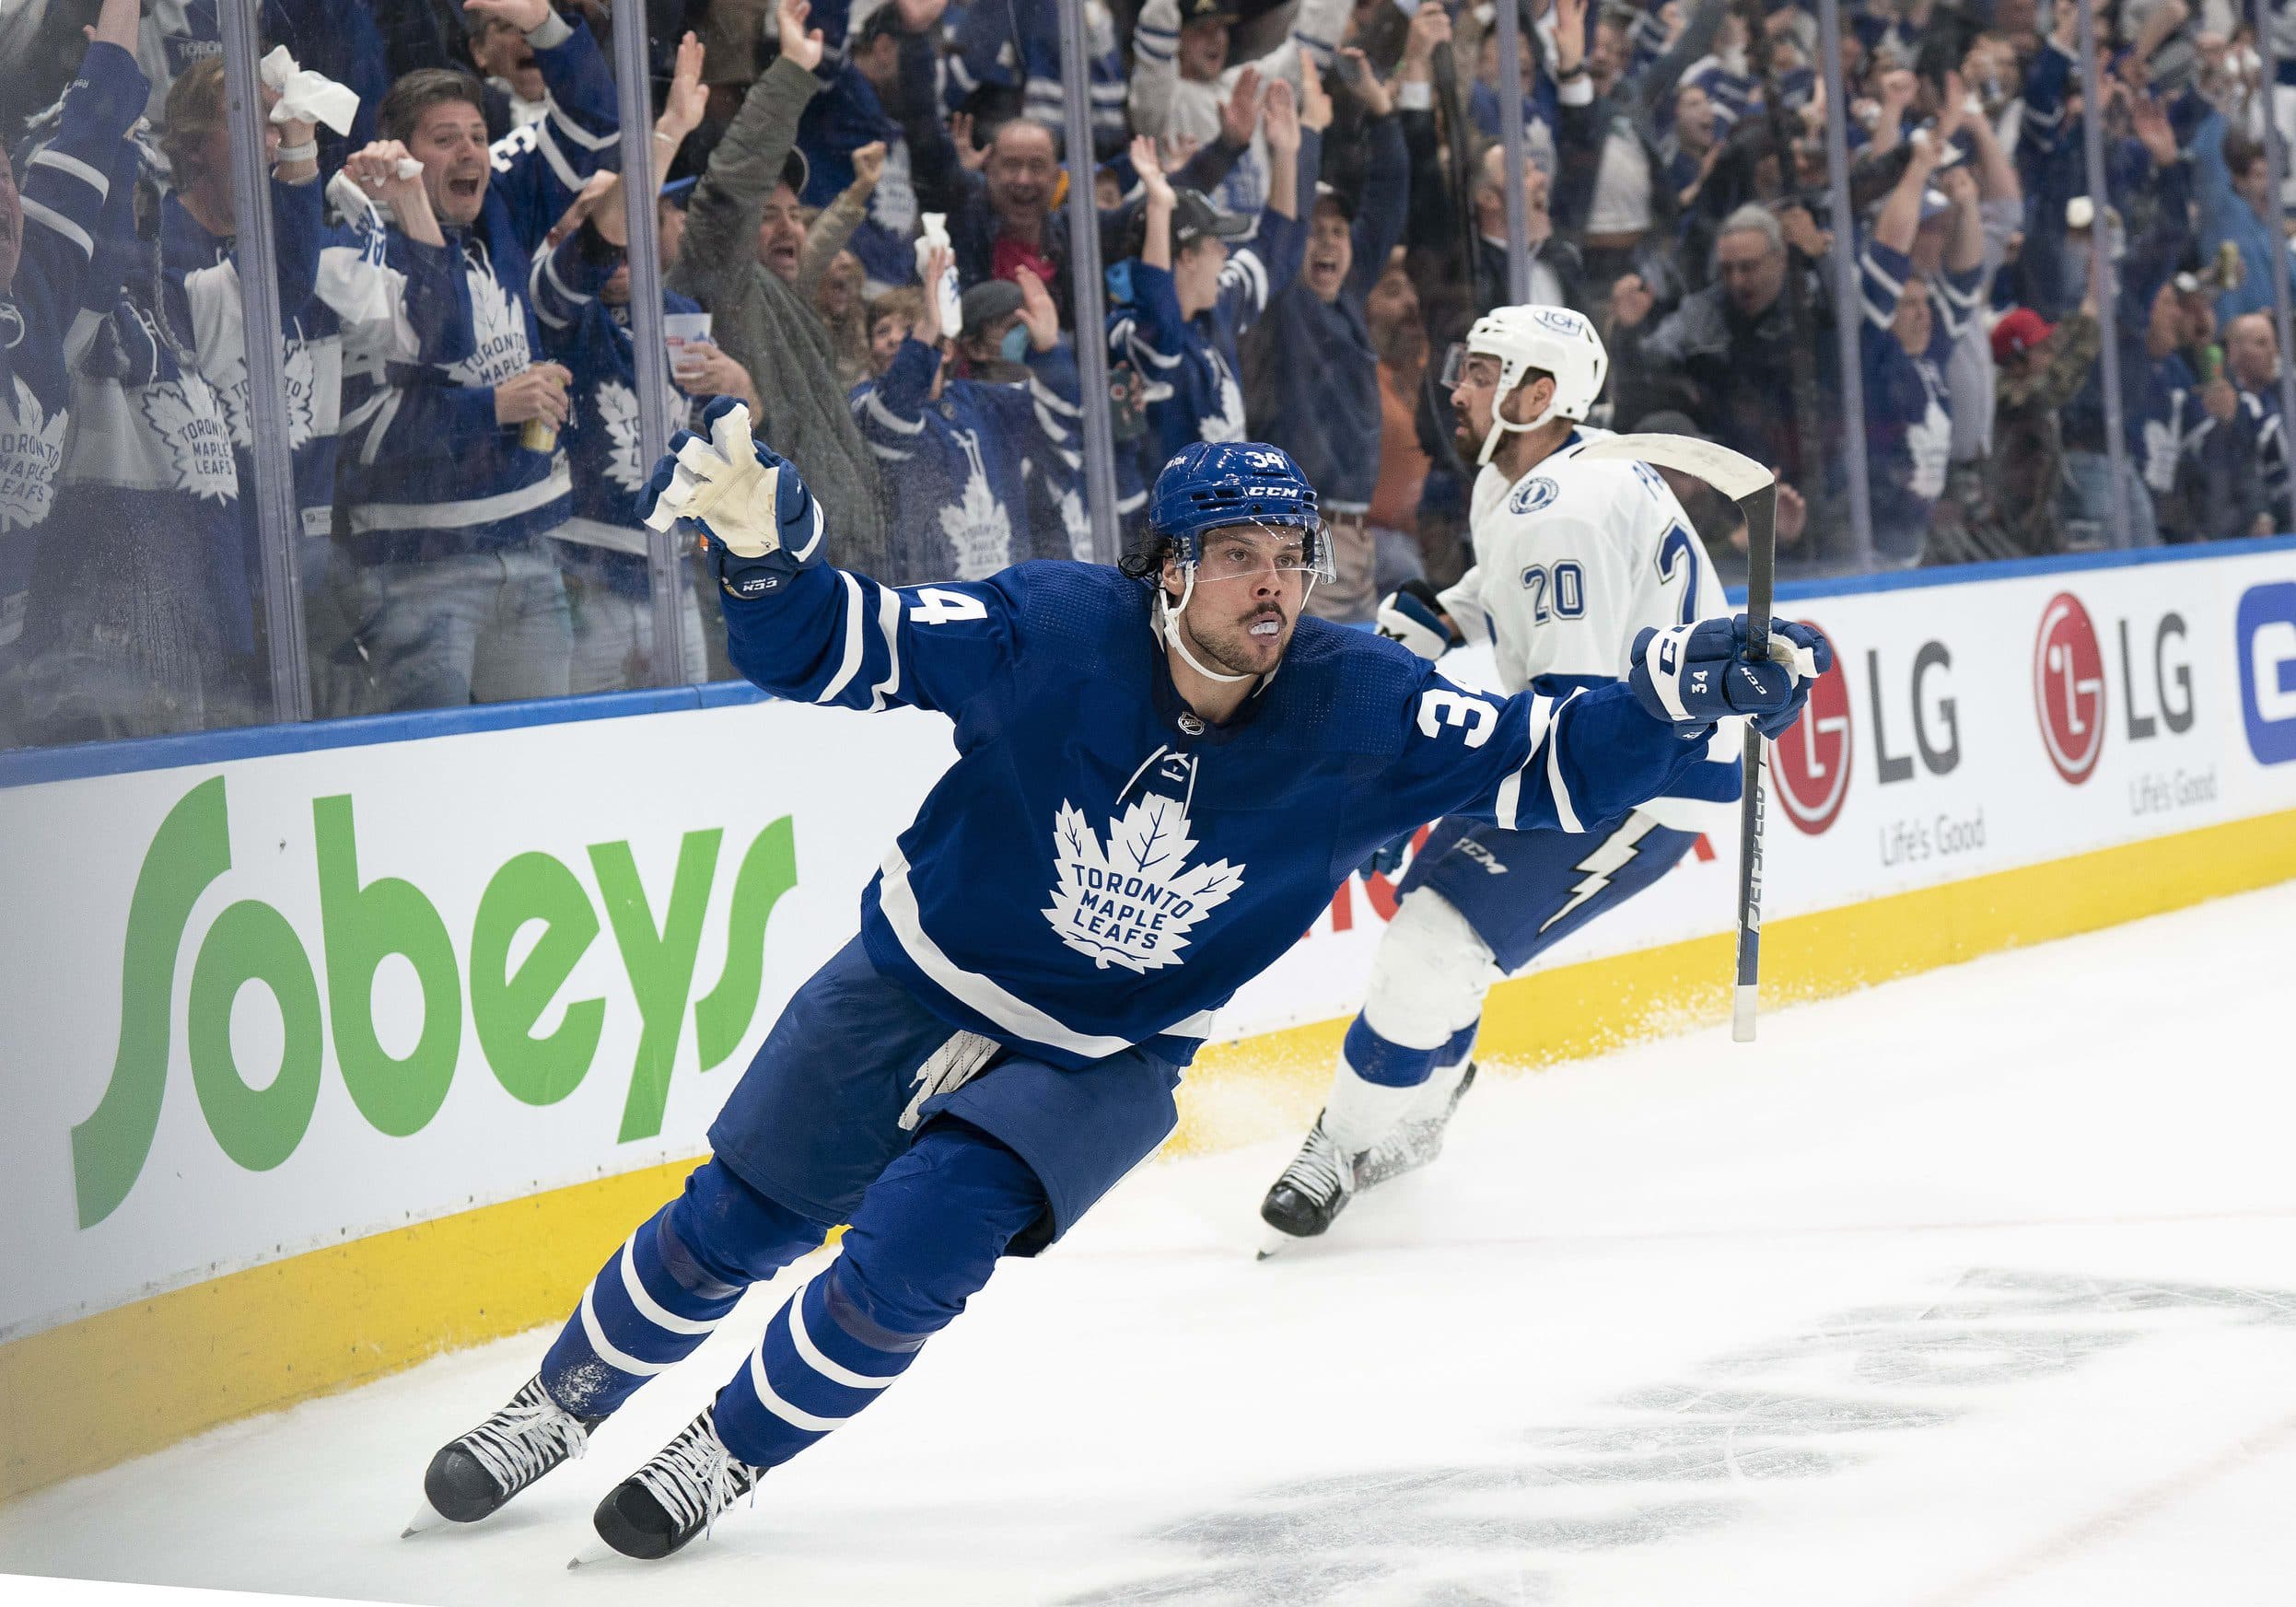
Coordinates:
(1576, 560)
(1143, 814)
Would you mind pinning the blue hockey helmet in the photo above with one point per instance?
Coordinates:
(1212, 484)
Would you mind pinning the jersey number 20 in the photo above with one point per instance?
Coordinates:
(1557, 592)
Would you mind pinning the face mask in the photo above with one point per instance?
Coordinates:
(1015, 344)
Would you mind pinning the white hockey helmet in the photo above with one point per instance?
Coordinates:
(1549, 339)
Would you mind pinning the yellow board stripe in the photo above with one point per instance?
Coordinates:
(95, 1392)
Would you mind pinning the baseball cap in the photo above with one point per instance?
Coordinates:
(1209, 11)
(1194, 218)
(989, 301)
(2020, 330)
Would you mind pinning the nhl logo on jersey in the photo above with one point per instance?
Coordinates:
(1534, 494)
(1132, 900)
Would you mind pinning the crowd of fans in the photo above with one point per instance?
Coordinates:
(863, 231)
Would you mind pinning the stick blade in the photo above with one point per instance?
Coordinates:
(1733, 474)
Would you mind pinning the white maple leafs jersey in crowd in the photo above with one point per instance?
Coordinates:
(1572, 561)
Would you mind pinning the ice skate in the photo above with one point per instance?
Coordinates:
(1414, 1144)
(473, 1476)
(1314, 1188)
(676, 1496)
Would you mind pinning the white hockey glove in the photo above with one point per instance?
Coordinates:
(1414, 616)
(758, 524)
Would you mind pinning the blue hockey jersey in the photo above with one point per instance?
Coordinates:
(64, 189)
(1193, 391)
(150, 454)
(1017, 46)
(1099, 868)
(605, 540)
(426, 471)
(959, 468)
(338, 292)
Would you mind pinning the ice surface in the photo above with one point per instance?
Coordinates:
(1974, 1288)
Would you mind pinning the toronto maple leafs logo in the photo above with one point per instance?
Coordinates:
(1074, 519)
(1227, 425)
(978, 527)
(31, 451)
(1132, 900)
(185, 418)
(618, 411)
(499, 330)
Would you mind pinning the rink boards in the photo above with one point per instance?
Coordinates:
(330, 1047)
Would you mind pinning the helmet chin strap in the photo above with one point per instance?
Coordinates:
(1170, 621)
(1502, 426)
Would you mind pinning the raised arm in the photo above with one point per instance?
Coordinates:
(541, 168)
(797, 627)
(68, 181)
(721, 248)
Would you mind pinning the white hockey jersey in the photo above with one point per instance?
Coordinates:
(1571, 561)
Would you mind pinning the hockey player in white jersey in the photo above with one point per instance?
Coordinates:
(1574, 558)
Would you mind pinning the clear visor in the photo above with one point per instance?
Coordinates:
(1462, 367)
(1241, 552)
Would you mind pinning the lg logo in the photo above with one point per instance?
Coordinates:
(1813, 760)
(1810, 762)
(2068, 687)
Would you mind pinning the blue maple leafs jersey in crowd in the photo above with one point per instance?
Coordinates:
(959, 466)
(150, 452)
(340, 294)
(65, 190)
(1194, 390)
(605, 540)
(1099, 870)
(427, 473)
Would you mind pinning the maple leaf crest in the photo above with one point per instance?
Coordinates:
(1132, 899)
(618, 411)
(1227, 425)
(31, 453)
(499, 330)
(187, 420)
(979, 530)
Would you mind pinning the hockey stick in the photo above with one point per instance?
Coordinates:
(1754, 490)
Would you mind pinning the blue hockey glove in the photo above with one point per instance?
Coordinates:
(1696, 674)
(758, 523)
(1414, 616)
(1387, 858)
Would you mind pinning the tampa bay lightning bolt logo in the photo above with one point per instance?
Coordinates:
(1534, 494)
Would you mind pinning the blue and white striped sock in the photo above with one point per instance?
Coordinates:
(821, 1362)
(647, 1309)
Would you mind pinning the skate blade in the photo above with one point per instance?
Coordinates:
(425, 1517)
(1274, 1242)
(591, 1556)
